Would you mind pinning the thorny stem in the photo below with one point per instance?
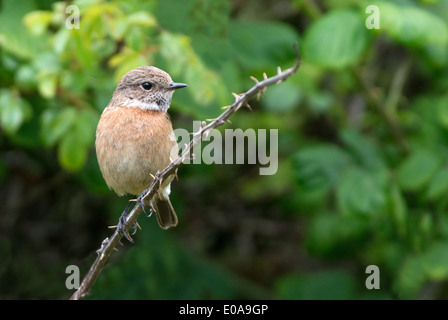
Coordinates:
(108, 245)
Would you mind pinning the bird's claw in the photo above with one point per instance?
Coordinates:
(140, 200)
(122, 225)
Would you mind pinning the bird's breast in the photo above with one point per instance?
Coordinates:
(132, 145)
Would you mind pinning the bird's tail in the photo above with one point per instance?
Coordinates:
(166, 216)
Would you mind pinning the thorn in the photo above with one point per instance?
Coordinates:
(120, 243)
(227, 120)
(115, 249)
(265, 76)
(197, 133)
(237, 96)
(211, 119)
(279, 71)
(206, 134)
(261, 92)
(103, 244)
(175, 175)
(152, 207)
(255, 79)
(299, 58)
(248, 106)
(138, 226)
(112, 227)
(153, 175)
(225, 107)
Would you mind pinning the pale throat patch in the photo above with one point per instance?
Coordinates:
(143, 105)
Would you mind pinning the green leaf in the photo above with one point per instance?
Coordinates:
(184, 64)
(436, 55)
(83, 53)
(13, 110)
(416, 171)
(320, 167)
(76, 81)
(127, 60)
(362, 192)
(47, 84)
(91, 177)
(438, 187)
(320, 101)
(75, 142)
(25, 77)
(411, 277)
(72, 151)
(14, 36)
(432, 265)
(333, 235)
(56, 123)
(336, 40)
(75, 129)
(441, 103)
(142, 18)
(48, 67)
(412, 25)
(363, 149)
(398, 209)
(133, 37)
(260, 44)
(60, 40)
(282, 98)
(86, 123)
(435, 261)
(38, 21)
(426, 224)
(193, 18)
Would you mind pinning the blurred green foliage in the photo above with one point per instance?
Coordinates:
(363, 147)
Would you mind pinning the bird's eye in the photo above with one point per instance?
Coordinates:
(147, 86)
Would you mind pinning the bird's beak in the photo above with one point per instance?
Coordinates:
(176, 85)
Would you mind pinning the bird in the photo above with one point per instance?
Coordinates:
(135, 139)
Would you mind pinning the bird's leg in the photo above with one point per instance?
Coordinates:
(140, 200)
(122, 224)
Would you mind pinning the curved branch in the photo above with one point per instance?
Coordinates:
(109, 244)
